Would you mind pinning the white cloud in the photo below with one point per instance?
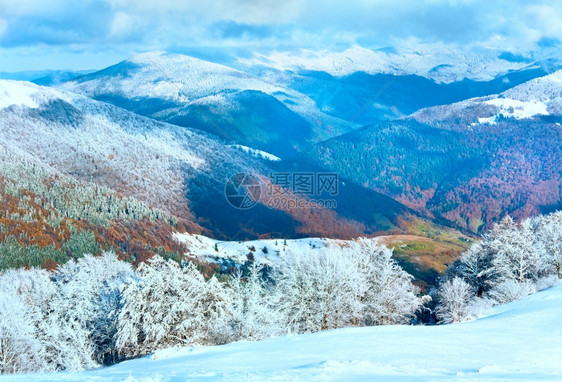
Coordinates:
(243, 11)
(141, 25)
(122, 24)
(3, 26)
(547, 19)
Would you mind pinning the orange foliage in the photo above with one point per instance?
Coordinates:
(138, 239)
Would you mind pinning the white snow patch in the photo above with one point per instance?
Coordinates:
(11, 93)
(264, 251)
(519, 109)
(490, 121)
(23, 93)
(257, 153)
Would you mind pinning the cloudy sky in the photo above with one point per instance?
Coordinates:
(84, 34)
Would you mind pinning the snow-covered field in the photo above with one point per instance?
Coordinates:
(265, 251)
(518, 341)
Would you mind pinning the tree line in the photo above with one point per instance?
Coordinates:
(98, 310)
(511, 261)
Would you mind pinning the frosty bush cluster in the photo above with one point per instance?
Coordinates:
(512, 261)
(99, 310)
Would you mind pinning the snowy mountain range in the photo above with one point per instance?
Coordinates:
(437, 62)
(283, 104)
(268, 116)
(180, 170)
(229, 103)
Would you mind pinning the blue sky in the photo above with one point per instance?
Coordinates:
(83, 34)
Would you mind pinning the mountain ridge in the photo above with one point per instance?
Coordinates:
(182, 171)
(471, 162)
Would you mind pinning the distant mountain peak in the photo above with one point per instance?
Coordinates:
(438, 62)
(168, 76)
(176, 61)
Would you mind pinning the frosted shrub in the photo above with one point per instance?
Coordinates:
(167, 305)
(514, 260)
(87, 297)
(455, 299)
(357, 285)
(254, 311)
(511, 290)
(547, 282)
(20, 349)
(390, 296)
(25, 301)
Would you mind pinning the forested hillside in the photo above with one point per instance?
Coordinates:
(470, 163)
(47, 219)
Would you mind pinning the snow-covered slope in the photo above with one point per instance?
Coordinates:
(438, 62)
(264, 251)
(168, 76)
(544, 89)
(538, 97)
(94, 141)
(227, 102)
(518, 341)
(180, 170)
(17, 93)
(177, 169)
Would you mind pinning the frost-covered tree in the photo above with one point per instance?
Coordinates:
(476, 268)
(549, 233)
(390, 297)
(511, 290)
(517, 253)
(25, 297)
(88, 297)
(20, 350)
(356, 285)
(513, 260)
(455, 297)
(167, 305)
(254, 313)
(75, 322)
(318, 290)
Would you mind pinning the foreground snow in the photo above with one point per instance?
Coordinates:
(521, 340)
